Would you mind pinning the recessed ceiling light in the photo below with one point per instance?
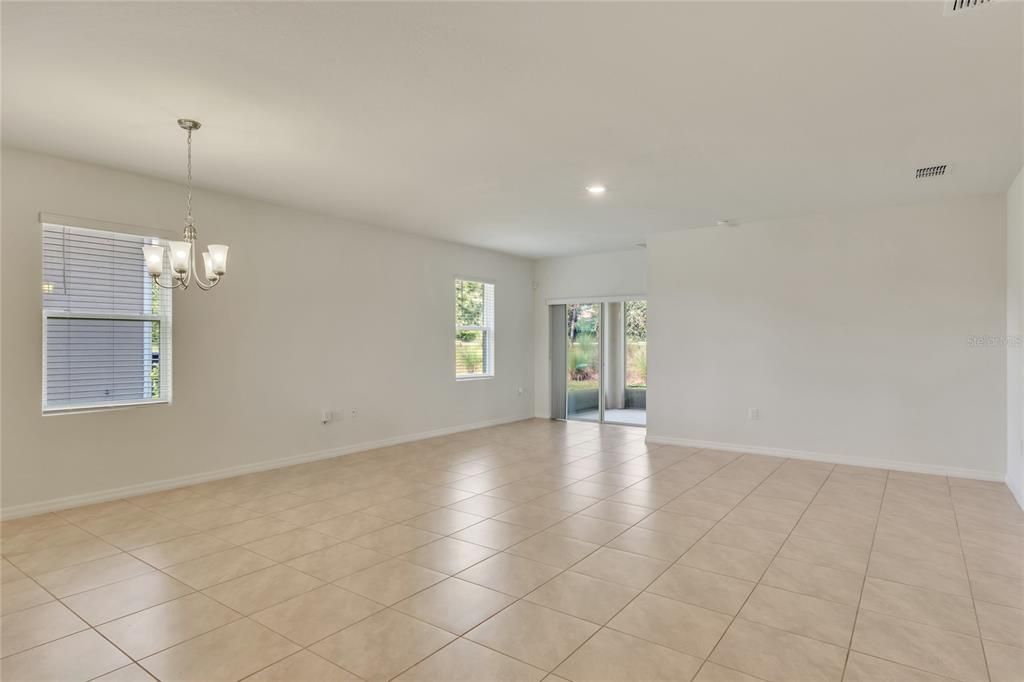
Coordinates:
(596, 189)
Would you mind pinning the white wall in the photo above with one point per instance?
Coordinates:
(315, 312)
(583, 278)
(1014, 333)
(850, 333)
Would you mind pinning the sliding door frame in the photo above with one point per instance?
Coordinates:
(561, 304)
(596, 299)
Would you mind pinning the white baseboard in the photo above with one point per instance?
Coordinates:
(831, 458)
(60, 503)
(1017, 495)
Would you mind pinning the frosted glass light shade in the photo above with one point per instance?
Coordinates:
(218, 259)
(154, 256)
(179, 256)
(208, 264)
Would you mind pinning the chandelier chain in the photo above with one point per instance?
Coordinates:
(188, 202)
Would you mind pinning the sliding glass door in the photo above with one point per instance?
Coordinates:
(605, 370)
(634, 345)
(583, 361)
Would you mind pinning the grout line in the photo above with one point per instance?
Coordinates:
(561, 572)
(900, 663)
(653, 580)
(60, 601)
(774, 556)
(864, 581)
(970, 583)
(401, 471)
(515, 599)
(279, 563)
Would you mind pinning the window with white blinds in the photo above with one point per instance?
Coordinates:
(474, 329)
(106, 326)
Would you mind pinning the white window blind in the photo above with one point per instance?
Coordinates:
(474, 329)
(106, 326)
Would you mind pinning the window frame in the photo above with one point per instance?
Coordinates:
(165, 319)
(489, 351)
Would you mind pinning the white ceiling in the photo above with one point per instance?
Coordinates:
(483, 123)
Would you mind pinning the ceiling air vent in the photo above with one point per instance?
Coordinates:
(958, 7)
(930, 171)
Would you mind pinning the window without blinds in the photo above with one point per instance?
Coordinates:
(106, 326)
(474, 329)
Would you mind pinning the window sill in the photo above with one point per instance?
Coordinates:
(475, 377)
(85, 409)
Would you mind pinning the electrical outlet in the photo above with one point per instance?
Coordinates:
(754, 413)
(353, 412)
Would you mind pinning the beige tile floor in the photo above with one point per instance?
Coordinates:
(536, 550)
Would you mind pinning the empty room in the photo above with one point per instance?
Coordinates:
(325, 328)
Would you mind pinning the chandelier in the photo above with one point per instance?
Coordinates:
(183, 254)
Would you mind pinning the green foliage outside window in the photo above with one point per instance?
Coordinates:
(472, 345)
(469, 308)
(636, 320)
(635, 313)
(469, 353)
